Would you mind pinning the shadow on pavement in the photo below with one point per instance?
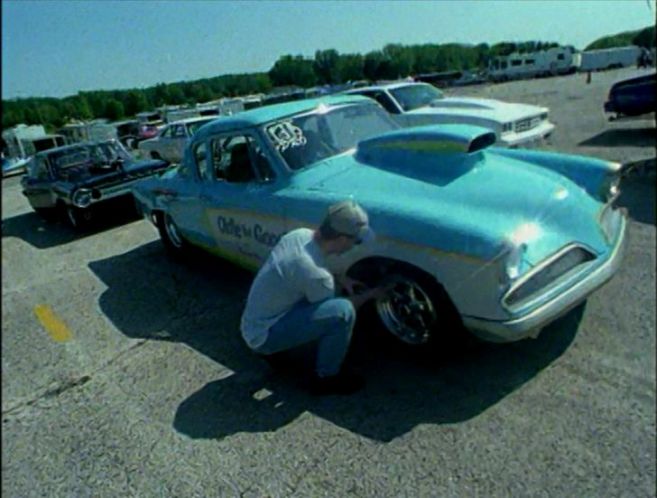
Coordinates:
(42, 234)
(200, 304)
(624, 137)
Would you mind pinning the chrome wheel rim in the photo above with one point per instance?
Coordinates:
(172, 232)
(407, 312)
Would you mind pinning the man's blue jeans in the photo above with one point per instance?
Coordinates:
(328, 322)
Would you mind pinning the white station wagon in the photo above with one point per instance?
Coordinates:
(418, 104)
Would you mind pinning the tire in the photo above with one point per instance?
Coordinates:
(174, 243)
(78, 218)
(418, 312)
(155, 155)
(48, 214)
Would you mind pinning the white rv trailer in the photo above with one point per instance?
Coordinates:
(17, 137)
(610, 58)
(550, 62)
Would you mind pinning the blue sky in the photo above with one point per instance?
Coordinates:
(57, 47)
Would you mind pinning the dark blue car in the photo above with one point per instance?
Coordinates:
(633, 97)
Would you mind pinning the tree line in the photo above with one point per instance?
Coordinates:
(327, 67)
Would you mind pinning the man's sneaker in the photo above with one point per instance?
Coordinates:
(342, 383)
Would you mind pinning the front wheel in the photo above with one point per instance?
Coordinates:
(173, 241)
(418, 311)
(78, 218)
(48, 214)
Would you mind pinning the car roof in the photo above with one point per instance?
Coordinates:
(386, 86)
(191, 120)
(76, 145)
(265, 114)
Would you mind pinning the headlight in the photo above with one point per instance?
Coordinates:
(82, 197)
(610, 187)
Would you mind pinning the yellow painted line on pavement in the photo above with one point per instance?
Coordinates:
(55, 327)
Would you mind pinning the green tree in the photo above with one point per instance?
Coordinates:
(293, 70)
(135, 101)
(325, 66)
(350, 68)
(114, 110)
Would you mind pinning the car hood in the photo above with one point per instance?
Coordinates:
(494, 110)
(129, 171)
(478, 201)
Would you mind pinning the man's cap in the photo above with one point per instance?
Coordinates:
(348, 218)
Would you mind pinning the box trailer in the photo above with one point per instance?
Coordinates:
(14, 139)
(550, 62)
(610, 58)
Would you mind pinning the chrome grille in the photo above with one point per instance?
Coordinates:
(527, 124)
(569, 261)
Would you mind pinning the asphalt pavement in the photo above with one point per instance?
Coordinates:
(124, 374)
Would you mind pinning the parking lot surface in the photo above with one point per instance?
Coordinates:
(124, 374)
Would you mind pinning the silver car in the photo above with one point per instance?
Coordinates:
(170, 142)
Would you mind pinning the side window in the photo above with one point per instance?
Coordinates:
(386, 102)
(166, 133)
(178, 131)
(238, 159)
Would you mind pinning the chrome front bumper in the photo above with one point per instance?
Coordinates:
(527, 138)
(531, 324)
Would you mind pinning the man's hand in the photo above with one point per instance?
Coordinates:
(350, 286)
(374, 293)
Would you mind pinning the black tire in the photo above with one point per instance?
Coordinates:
(48, 214)
(174, 243)
(419, 312)
(78, 218)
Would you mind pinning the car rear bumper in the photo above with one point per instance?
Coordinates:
(531, 324)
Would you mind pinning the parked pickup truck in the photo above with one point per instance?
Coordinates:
(633, 97)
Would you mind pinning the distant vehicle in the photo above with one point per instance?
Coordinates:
(442, 79)
(170, 142)
(127, 132)
(75, 180)
(150, 122)
(40, 144)
(417, 104)
(90, 131)
(633, 97)
(13, 166)
(17, 138)
(610, 58)
(502, 241)
(550, 62)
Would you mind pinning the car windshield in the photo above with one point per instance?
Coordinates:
(78, 160)
(412, 97)
(327, 131)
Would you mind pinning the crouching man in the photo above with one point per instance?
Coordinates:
(293, 298)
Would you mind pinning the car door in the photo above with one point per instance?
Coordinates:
(177, 144)
(37, 184)
(241, 207)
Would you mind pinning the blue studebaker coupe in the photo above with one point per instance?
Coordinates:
(507, 240)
